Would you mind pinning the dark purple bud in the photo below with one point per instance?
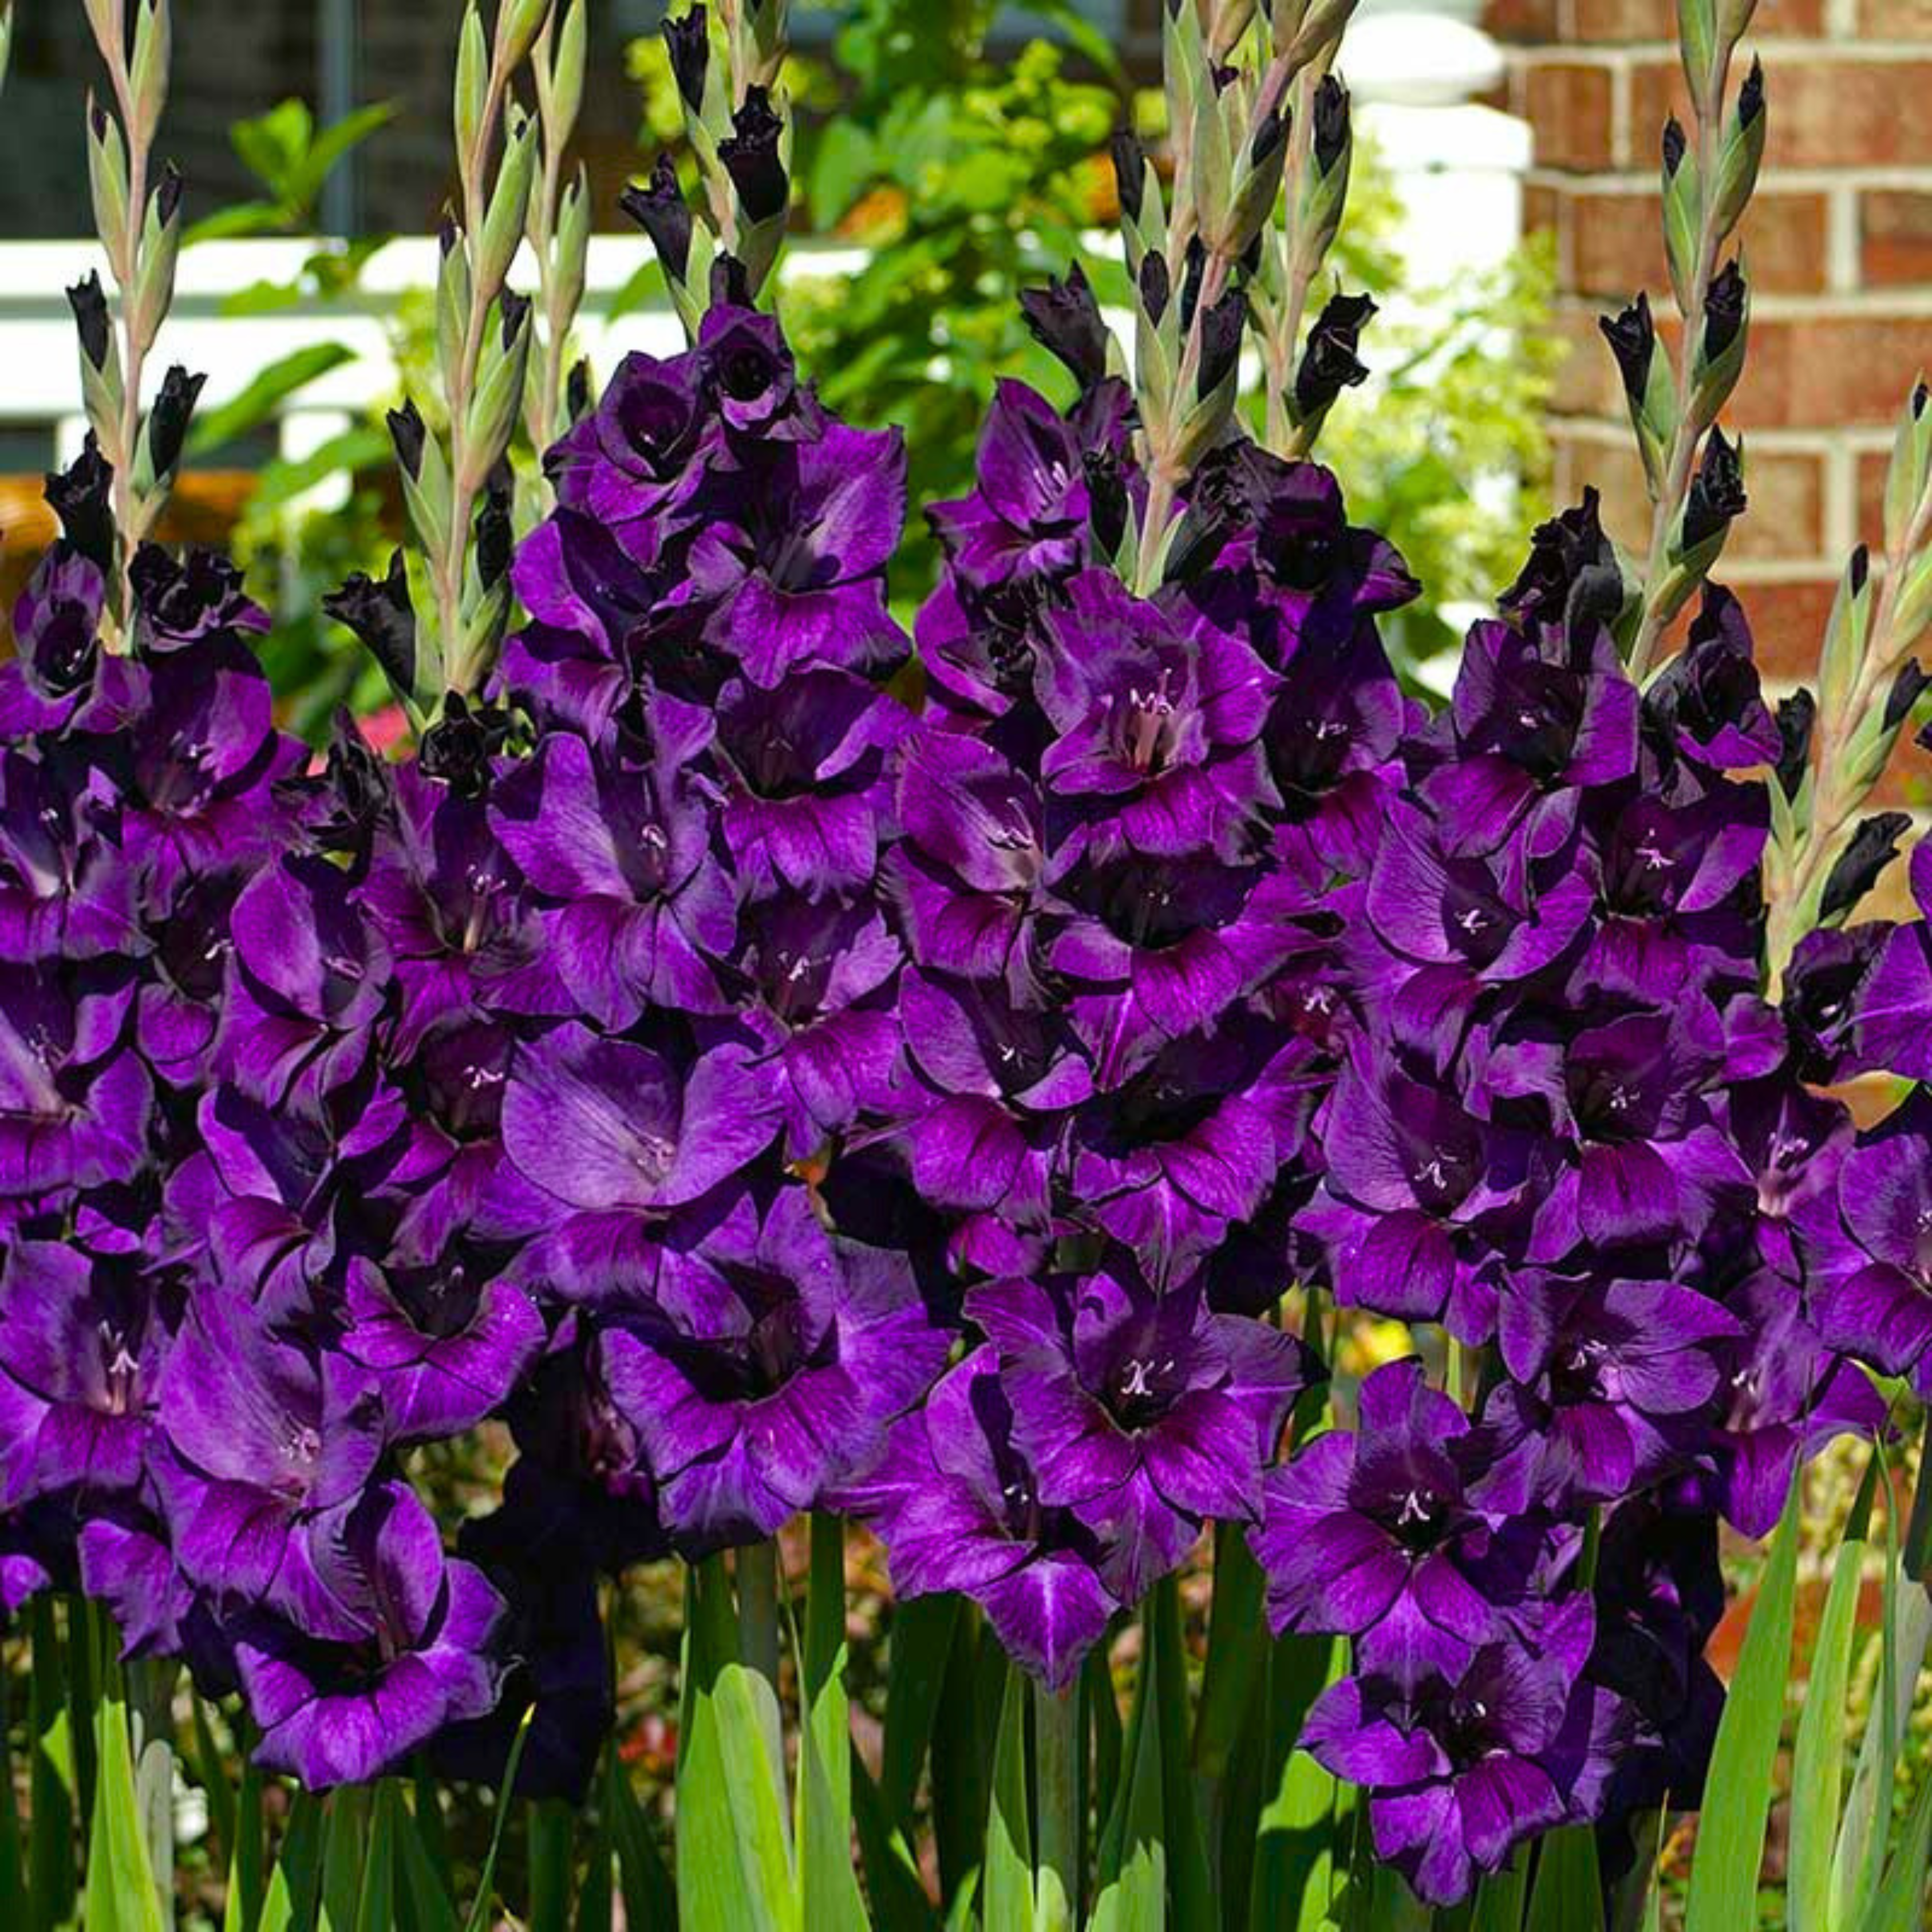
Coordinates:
(448, 235)
(1330, 364)
(1065, 319)
(1921, 396)
(380, 614)
(577, 398)
(1860, 570)
(730, 283)
(81, 496)
(1724, 311)
(1331, 123)
(659, 209)
(410, 434)
(1106, 499)
(168, 419)
(1907, 689)
(688, 39)
(1269, 137)
(495, 538)
(1191, 275)
(1795, 718)
(457, 748)
(750, 157)
(1632, 339)
(1129, 172)
(1157, 287)
(168, 196)
(1873, 847)
(90, 315)
(1221, 330)
(343, 803)
(1751, 96)
(1716, 495)
(516, 311)
(97, 117)
(1674, 147)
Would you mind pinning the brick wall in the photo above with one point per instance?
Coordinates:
(1838, 244)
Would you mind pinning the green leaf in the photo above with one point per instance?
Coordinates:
(899, 1903)
(1500, 1898)
(844, 162)
(423, 1886)
(650, 1899)
(1818, 1768)
(238, 220)
(918, 1641)
(262, 397)
(1007, 1886)
(1569, 1893)
(1296, 1866)
(1737, 1790)
(376, 1900)
(829, 1887)
(242, 1910)
(51, 1777)
(295, 1884)
(1132, 1895)
(549, 1824)
(306, 178)
(1900, 1904)
(486, 1880)
(733, 1858)
(1187, 1853)
(216, 1785)
(353, 450)
(120, 1889)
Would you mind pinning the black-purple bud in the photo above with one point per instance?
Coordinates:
(1796, 716)
(1107, 501)
(751, 156)
(457, 749)
(1269, 138)
(1716, 498)
(448, 235)
(1632, 339)
(516, 311)
(577, 400)
(1873, 847)
(89, 304)
(410, 434)
(1129, 172)
(1331, 123)
(169, 419)
(1675, 146)
(381, 616)
(168, 196)
(495, 538)
(660, 210)
(1156, 286)
(688, 39)
(1751, 96)
(1065, 319)
(1724, 311)
(1906, 690)
(1921, 396)
(1221, 327)
(1860, 569)
(1330, 364)
(81, 497)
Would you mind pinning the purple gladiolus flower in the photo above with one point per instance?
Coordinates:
(767, 1368)
(1476, 1756)
(1145, 1414)
(958, 1507)
(419, 1654)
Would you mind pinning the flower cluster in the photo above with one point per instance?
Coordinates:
(1570, 1132)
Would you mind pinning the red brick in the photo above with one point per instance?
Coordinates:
(1831, 372)
(1618, 247)
(1895, 20)
(1568, 106)
(1788, 621)
(1521, 19)
(1894, 237)
(1826, 112)
(1612, 20)
(1586, 383)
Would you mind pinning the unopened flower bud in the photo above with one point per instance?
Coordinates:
(1330, 364)
(1065, 319)
(660, 210)
(1331, 123)
(380, 615)
(688, 40)
(1221, 327)
(750, 157)
(1796, 716)
(408, 433)
(1724, 311)
(1632, 339)
(89, 304)
(1873, 848)
(1129, 172)
(168, 420)
(1716, 498)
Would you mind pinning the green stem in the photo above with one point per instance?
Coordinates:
(758, 1645)
(1056, 1746)
(151, 1692)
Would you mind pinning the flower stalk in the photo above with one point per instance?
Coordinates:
(139, 223)
(559, 225)
(1057, 1732)
(1696, 485)
(1869, 686)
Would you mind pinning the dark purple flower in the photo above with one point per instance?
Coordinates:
(1477, 1755)
(66, 887)
(767, 1368)
(59, 665)
(181, 601)
(420, 1655)
(958, 1507)
(1146, 1414)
